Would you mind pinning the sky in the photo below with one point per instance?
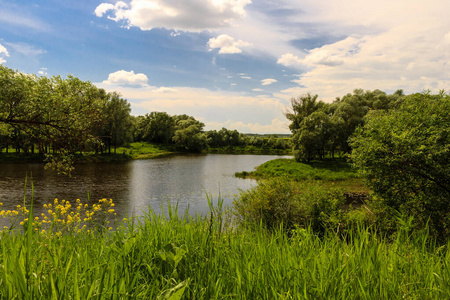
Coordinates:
(231, 63)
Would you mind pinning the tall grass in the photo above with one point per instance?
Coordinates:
(173, 256)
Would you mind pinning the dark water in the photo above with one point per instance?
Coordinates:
(134, 185)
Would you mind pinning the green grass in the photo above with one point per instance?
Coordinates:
(332, 170)
(331, 173)
(142, 150)
(139, 150)
(164, 256)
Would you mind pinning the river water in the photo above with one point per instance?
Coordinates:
(135, 185)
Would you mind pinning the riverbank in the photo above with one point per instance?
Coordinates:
(138, 150)
(163, 256)
(331, 173)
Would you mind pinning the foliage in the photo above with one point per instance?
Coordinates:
(61, 217)
(164, 256)
(117, 127)
(281, 202)
(59, 117)
(225, 138)
(404, 153)
(322, 129)
(156, 127)
(333, 170)
(56, 111)
(189, 134)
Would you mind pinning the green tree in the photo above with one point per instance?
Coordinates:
(56, 112)
(404, 153)
(160, 127)
(312, 137)
(301, 107)
(189, 134)
(117, 127)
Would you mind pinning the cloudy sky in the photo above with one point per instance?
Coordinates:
(231, 63)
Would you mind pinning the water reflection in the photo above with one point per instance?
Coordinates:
(134, 185)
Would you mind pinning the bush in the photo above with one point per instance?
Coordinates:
(281, 202)
(405, 156)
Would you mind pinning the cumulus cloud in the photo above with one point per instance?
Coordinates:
(387, 46)
(268, 81)
(257, 90)
(3, 52)
(289, 59)
(227, 44)
(123, 77)
(186, 15)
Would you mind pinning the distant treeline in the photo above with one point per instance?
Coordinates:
(59, 116)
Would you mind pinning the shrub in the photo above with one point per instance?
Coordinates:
(405, 156)
(281, 202)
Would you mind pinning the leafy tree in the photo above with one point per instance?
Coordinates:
(159, 128)
(56, 111)
(404, 153)
(312, 137)
(301, 107)
(189, 134)
(116, 130)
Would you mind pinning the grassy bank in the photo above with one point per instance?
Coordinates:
(138, 150)
(171, 257)
(249, 150)
(329, 172)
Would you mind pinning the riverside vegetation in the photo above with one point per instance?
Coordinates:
(299, 234)
(168, 256)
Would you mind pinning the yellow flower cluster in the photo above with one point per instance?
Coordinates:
(62, 217)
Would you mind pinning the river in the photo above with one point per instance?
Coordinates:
(135, 185)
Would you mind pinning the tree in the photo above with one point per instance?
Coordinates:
(160, 128)
(116, 130)
(404, 154)
(56, 112)
(312, 137)
(189, 134)
(301, 107)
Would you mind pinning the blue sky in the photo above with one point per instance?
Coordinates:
(231, 63)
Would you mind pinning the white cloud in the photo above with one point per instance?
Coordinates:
(186, 15)
(257, 90)
(123, 77)
(26, 49)
(390, 45)
(43, 71)
(211, 107)
(289, 59)
(165, 90)
(3, 52)
(227, 44)
(268, 81)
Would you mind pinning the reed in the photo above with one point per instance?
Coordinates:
(176, 256)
